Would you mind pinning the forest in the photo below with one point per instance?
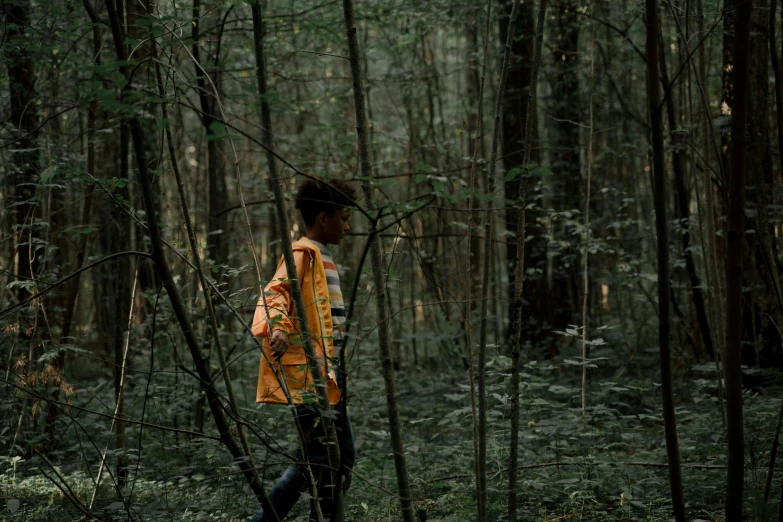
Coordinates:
(560, 282)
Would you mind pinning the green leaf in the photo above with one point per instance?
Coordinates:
(217, 131)
(25, 284)
(538, 172)
(513, 174)
(81, 231)
(161, 124)
(420, 165)
(48, 174)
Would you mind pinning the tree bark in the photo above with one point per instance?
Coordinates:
(210, 305)
(735, 229)
(72, 290)
(714, 275)
(563, 271)
(664, 324)
(376, 263)
(514, 124)
(162, 268)
(775, 58)
(679, 166)
(24, 119)
(476, 132)
(486, 281)
(519, 265)
(539, 312)
(136, 10)
(288, 255)
(761, 268)
(727, 91)
(217, 224)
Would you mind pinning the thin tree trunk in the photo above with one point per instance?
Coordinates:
(562, 279)
(773, 52)
(516, 326)
(514, 125)
(773, 455)
(780, 510)
(486, 281)
(122, 338)
(679, 162)
(213, 320)
(72, 292)
(138, 47)
(162, 267)
(117, 426)
(217, 224)
(121, 307)
(586, 253)
(734, 242)
(288, 256)
(661, 226)
(728, 75)
(23, 176)
(471, 261)
(761, 263)
(711, 256)
(377, 270)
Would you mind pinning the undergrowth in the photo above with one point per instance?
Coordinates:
(607, 465)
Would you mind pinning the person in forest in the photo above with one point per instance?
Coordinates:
(325, 208)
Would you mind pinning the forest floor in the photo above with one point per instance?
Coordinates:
(609, 465)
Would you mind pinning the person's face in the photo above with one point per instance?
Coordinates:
(337, 226)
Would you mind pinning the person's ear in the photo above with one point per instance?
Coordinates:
(321, 219)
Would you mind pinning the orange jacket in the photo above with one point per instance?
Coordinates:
(282, 316)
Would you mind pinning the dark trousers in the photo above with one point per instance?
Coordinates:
(295, 479)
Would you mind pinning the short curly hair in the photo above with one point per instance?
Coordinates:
(317, 195)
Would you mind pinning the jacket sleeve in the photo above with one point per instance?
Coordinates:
(279, 302)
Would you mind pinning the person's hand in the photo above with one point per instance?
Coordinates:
(279, 344)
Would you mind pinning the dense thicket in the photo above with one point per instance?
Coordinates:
(147, 164)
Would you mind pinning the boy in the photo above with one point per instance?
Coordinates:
(325, 209)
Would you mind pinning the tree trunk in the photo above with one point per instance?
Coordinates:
(514, 120)
(475, 125)
(72, 289)
(539, 312)
(162, 268)
(562, 273)
(679, 165)
(486, 281)
(661, 226)
(727, 91)
(136, 30)
(519, 265)
(775, 58)
(762, 268)
(376, 263)
(735, 229)
(217, 225)
(476, 134)
(288, 255)
(715, 275)
(24, 120)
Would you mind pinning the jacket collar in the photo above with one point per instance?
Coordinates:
(305, 244)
